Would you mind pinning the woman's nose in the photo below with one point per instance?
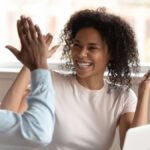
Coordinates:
(83, 52)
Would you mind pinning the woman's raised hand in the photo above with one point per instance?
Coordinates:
(144, 86)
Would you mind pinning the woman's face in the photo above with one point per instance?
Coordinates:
(89, 53)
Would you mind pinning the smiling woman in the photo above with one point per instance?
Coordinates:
(88, 48)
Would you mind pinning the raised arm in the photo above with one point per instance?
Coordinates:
(33, 128)
(141, 114)
(15, 98)
(140, 117)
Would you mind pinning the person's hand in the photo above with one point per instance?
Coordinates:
(144, 86)
(48, 39)
(33, 53)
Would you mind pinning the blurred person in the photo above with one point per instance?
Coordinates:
(34, 127)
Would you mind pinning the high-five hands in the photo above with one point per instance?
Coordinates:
(34, 46)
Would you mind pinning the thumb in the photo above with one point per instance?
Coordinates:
(52, 51)
(13, 50)
(48, 39)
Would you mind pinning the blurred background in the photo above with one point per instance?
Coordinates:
(51, 15)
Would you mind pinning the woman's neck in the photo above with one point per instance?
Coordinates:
(91, 83)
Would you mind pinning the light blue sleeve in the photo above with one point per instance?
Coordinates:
(34, 128)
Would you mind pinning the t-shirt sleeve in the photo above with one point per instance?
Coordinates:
(129, 102)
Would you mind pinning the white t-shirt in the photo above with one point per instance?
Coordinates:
(87, 119)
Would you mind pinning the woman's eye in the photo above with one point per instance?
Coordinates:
(92, 48)
(76, 45)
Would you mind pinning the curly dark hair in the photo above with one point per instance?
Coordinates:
(118, 36)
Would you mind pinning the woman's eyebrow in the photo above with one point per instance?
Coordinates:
(90, 44)
(94, 44)
(75, 40)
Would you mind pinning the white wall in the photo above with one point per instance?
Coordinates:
(7, 78)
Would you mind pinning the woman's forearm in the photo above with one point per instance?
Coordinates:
(15, 94)
(141, 114)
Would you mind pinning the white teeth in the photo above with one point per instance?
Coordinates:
(84, 64)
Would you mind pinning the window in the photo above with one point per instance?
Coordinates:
(51, 15)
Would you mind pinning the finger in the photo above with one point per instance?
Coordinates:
(32, 29)
(49, 39)
(19, 29)
(28, 35)
(39, 34)
(47, 35)
(52, 51)
(147, 75)
(23, 23)
(26, 30)
(21, 34)
(13, 50)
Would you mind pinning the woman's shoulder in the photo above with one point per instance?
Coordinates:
(124, 96)
(120, 89)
